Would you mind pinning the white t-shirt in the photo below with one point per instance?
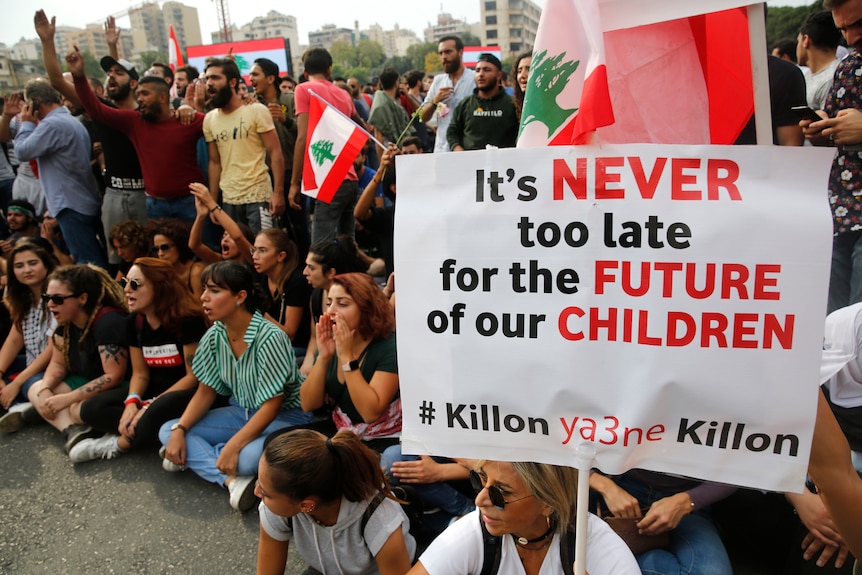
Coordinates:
(464, 87)
(459, 551)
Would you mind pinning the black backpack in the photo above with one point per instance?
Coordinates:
(493, 551)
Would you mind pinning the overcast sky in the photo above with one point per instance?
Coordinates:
(17, 21)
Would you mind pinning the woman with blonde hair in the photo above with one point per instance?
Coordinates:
(162, 334)
(525, 518)
(331, 499)
(89, 354)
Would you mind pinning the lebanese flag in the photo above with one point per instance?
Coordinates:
(567, 94)
(334, 141)
(175, 56)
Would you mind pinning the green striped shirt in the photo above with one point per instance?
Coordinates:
(266, 369)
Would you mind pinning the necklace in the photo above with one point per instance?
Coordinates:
(523, 541)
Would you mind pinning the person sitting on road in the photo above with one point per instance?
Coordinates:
(89, 353)
(249, 359)
(331, 499)
(171, 243)
(32, 325)
(162, 334)
(237, 239)
(526, 515)
(130, 241)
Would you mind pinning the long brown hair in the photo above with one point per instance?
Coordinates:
(172, 301)
(305, 463)
(19, 298)
(281, 242)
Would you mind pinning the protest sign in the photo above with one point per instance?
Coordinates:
(663, 302)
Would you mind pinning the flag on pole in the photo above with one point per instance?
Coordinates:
(333, 143)
(567, 94)
(175, 56)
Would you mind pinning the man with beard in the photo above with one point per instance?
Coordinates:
(488, 116)
(167, 148)
(182, 78)
(124, 185)
(239, 137)
(282, 105)
(21, 221)
(448, 89)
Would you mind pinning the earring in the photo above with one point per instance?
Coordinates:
(238, 304)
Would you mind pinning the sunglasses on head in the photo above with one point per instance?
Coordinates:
(162, 248)
(495, 494)
(57, 299)
(134, 284)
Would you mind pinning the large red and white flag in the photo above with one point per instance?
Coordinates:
(567, 94)
(175, 55)
(334, 141)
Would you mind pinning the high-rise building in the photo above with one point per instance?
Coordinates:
(395, 42)
(150, 26)
(329, 34)
(510, 24)
(448, 26)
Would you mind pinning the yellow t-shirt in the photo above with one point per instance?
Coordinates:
(244, 175)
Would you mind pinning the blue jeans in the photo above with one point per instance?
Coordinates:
(336, 217)
(695, 546)
(182, 208)
(84, 236)
(207, 437)
(256, 215)
(845, 279)
(441, 495)
(25, 387)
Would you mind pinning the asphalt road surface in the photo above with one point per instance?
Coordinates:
(123, 516)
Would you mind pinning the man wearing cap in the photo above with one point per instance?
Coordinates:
(125, 198)
(488, 117)
(448, 89)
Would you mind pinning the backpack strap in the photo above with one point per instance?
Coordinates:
(492, 551)
(369, 511)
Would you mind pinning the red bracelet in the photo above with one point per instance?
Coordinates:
(132, 399)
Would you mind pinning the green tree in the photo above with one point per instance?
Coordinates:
(432, 63)
(785, 21)
(401, 63)
(417, 53)
(91, 66)
(344, 54)
(370, 54)
(147, 59)
(470, 40)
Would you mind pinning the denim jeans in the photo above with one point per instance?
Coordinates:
(336, 217)
(695, 546)
(84, 237)
(22, 393)
(449, 500)
(207, 437)
(182, 208)
(845, 279)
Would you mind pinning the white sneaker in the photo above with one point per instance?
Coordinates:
(169, 465)
(242, 497)
(105, 447)
(17, 417)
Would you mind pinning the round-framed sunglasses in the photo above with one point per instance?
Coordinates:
(134, 284)
(495, 494)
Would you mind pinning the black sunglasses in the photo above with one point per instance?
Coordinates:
(134, 284)
(162, 248)
(495, 494)
(57, 299)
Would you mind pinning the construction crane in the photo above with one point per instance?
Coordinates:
(224, 20)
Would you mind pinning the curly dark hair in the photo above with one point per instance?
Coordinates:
(177, 231)
(131, 234)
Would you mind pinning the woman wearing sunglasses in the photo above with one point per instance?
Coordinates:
(249, 359)
(162, 335)
(30, 265)
(525, 514)
(171, 244)
(89, 353)
(330, 498)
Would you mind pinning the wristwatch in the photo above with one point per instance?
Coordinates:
(178, 425)
(350, 365)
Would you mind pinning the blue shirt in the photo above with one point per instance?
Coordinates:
(61, 146)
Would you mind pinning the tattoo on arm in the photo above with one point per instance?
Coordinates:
(96, 385)
(113, 351)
